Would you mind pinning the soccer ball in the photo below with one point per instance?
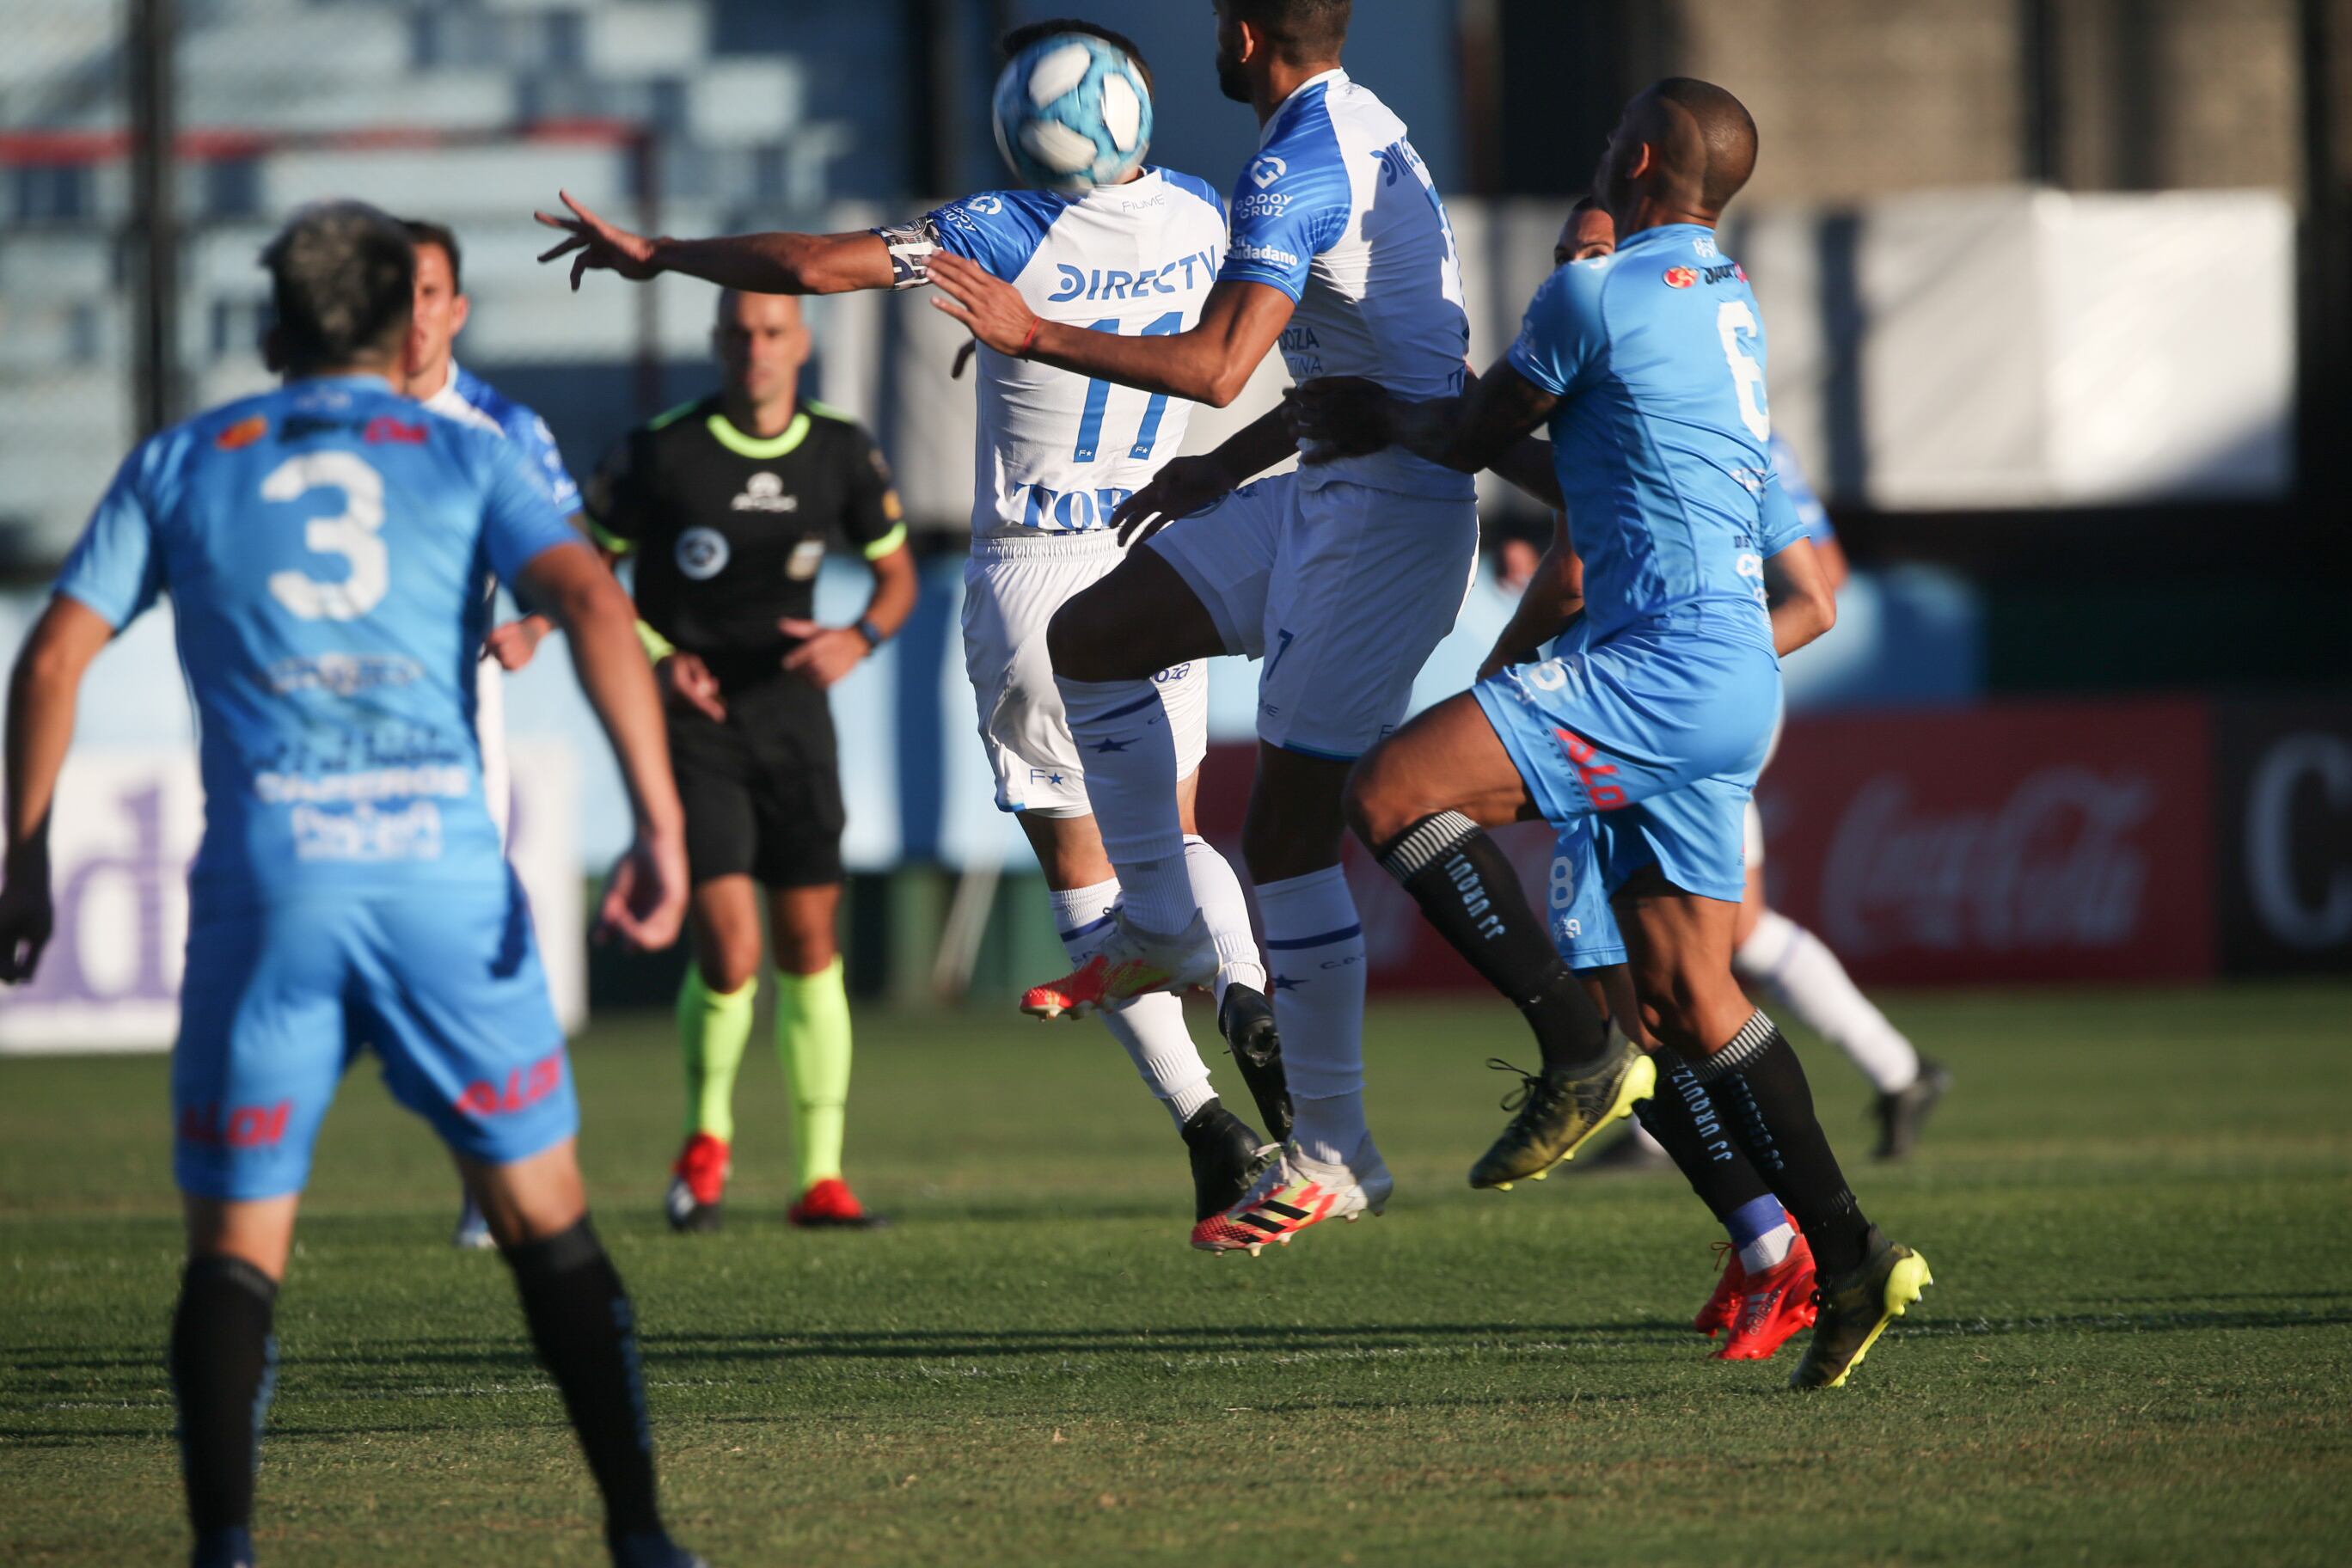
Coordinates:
(1072, 114)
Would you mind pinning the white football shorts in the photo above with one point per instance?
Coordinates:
(1010, 589)
(1341, 590)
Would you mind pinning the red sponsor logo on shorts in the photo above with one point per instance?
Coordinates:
(385, 430)
(525, 1087)
(1680, 278)
(1582, 756)
(245, 1126)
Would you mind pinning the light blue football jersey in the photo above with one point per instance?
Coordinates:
(1790, 474)
(324, 545)
(1660, 439)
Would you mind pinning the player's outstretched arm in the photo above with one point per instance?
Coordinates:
(752, 263)
(42, 696)
(645, 904)
(1796, 586)
(1209, 363)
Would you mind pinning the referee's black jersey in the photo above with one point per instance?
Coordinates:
(727, 530)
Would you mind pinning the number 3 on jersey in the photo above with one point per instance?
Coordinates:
(354, 534)
(1090, 422)
(1732, 320)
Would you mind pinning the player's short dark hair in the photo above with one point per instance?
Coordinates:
(1019, 38)
(423, 232)
(343, 280)
(1583, 204)
(1301, 30)
(1726, 130)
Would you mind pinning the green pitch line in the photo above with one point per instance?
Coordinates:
(2137, 1349)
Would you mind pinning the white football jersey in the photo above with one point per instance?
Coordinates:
(1057, 452)
(1338, 212)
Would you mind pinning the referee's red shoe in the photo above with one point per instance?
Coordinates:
(829, 1204)
(697, 1184)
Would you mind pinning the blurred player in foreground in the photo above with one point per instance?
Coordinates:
(436, 380)
(324, 545)
(1340, 579)
(1052, 446)
(727, 505)
(1644, 742)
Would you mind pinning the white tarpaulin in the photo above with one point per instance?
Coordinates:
(126, 826)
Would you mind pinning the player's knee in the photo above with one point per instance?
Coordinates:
(1075, 643)
(728, 967)
(805, 952)
(1378, 804)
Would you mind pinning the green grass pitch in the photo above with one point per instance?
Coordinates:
(2139, 1349)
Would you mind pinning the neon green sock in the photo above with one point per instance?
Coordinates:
(813, 1039)
(715, 1029)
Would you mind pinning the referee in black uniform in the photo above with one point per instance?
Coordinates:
(728, 506)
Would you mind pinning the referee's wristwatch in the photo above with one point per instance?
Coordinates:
(872, 633)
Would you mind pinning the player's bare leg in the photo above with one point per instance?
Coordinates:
(714, 1025)
(813, 1043)
(1422, 801)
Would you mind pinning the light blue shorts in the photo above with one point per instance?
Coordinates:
(1646, 745)
(281, 997)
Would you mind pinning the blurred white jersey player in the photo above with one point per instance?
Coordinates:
(436, 380)
(1056, 455)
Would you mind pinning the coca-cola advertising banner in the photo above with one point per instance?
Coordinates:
(2039, 841)
(126, 824)
(2130, 840)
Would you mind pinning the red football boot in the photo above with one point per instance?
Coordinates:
(697, 1184)
(1775, 1304)
(1722, 1307)
(829, 1204)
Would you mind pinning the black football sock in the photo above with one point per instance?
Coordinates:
(1760, 1087)
(224, 1368)
(586, 1333)
(1690, 1126)
(1469, 891)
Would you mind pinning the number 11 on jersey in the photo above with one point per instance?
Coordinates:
(1090, 422)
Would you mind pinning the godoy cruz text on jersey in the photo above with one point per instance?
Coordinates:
(1339, 212)
(325, 545)
(1660, 439)
(1055, 453)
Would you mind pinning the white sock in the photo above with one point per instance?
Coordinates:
(1150, 1028)
(1315, 947)
(1800, 974)
(1219, 893)
(1770, 1249)
(1122, 731)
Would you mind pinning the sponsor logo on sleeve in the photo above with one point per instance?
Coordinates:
(1680, 278)
(242, 433)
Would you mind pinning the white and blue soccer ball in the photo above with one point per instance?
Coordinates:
(1072, 114)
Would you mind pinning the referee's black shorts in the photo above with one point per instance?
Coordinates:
(762, 791)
